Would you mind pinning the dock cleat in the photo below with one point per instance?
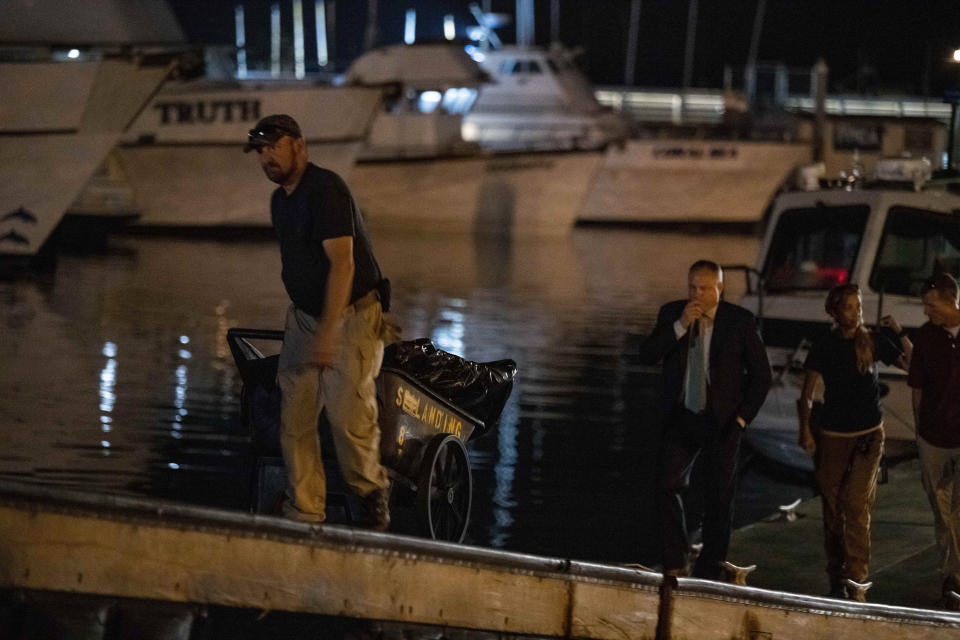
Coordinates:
(736, 574)
(788, 512)
(856, 591)
(951, 601)
(950, 595)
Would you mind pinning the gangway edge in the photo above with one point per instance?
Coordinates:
(60, 540)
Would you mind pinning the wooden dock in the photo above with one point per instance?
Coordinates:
(66, 542)
(903, 565)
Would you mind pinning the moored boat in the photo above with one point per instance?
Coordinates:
(887, 235)
(182, 156)
(66, 102)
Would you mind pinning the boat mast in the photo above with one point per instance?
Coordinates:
(371, 35)
(299, 57)
(633, 35)
(691, 39)
(275, 40)
(320, 13)
(241, 41)
(750, 71)
(525, 26)
(554, 22)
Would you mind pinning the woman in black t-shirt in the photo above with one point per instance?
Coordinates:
(849, 440)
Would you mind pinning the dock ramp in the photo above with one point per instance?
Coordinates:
(57, 540)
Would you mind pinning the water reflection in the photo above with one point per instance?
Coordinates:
(142, 328)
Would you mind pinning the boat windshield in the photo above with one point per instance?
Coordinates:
(814, 248)
(916, 244)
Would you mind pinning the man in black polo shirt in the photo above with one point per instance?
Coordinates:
(332, 346)
(935, 379)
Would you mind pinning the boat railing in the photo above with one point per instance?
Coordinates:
(758, 279)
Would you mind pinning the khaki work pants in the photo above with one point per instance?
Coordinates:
(348, 392)
(940, 473)
(846, 474)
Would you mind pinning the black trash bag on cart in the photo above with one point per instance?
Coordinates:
(480, 388)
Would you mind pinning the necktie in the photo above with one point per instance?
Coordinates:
(696, 382)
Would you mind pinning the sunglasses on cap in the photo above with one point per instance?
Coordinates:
(265, 136)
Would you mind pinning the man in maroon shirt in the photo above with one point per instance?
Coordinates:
(935, 380)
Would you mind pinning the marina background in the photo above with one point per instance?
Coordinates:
(117, 374)
(853, 36)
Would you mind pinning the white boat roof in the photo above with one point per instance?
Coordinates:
(88, 22)
(418, 65)
(933, 196)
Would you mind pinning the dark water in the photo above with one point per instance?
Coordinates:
(116, 374)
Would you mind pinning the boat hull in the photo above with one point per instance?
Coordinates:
(207, 185)
(536, 194)
(57, 123)
(688, 181)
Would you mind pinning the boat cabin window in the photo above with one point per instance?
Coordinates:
(455, 101)
(459, 100)
(428, 101)
(513, 67)
(530, 66)
(916, 244)
(814, 248)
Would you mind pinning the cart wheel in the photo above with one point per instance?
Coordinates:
(444, 489)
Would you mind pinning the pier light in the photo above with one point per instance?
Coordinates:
(73, 54)
(956, 55)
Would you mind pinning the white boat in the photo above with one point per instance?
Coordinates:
(394, 129)
(182, 156)
(538, 99)
(464, 177)
(669, 178)
(886, 235)
(65, 104)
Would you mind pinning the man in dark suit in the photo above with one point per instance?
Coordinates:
(715, 377)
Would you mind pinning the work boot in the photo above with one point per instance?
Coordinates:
(838, 590)
(377, 504)
(290, 512)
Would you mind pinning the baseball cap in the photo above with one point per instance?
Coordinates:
(270, 129)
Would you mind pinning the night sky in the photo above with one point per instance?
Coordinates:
(881, 46)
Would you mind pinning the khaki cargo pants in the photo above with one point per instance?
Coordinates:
(940, 474)
(348, 392)
(846, 474)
